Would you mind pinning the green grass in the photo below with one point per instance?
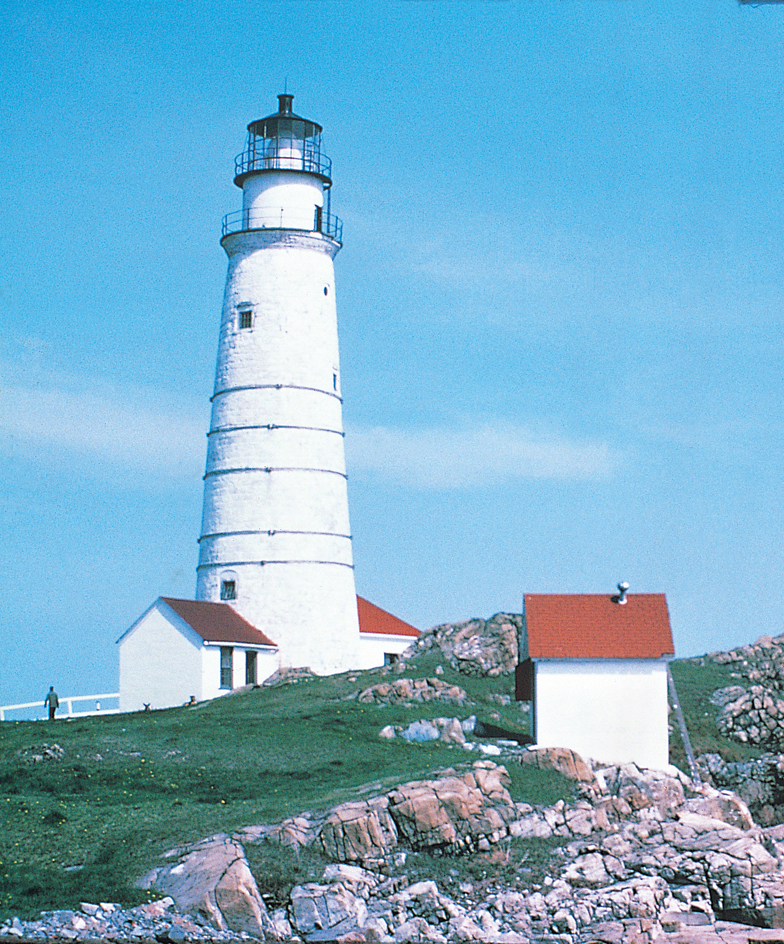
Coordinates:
(696, 681)
(129, 787)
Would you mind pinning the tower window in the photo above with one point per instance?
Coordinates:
(334, 381)
(226, 667)
(326, 290)
(228, 590)
(246, 319)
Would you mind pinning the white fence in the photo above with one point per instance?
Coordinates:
(98, 708)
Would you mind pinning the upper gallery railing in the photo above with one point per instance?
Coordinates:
(278, 158)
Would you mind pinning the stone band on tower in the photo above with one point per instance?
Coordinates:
(275, 539)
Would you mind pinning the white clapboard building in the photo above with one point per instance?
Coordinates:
(184, 651)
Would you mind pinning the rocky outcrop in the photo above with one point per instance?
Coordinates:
(454, 814)
(451, 813)
(758, 782)
(446, 730)
(753, 713)
(46, 752)
(105, 921)
(477, 646)
(650, 856)
(754, 716)
(358, 831)
(404, 691)
(563, 759)
(643, 852)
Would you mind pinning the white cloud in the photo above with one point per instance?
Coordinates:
(506, 257)
(474, 456)
(105, 429)
(114, 431)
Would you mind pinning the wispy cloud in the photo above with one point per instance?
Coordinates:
(111, 431)
(105, 429)
(474, 456)
(507, 257)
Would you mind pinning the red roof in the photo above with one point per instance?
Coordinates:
(372, 619)
(218, 622)
(592, 626)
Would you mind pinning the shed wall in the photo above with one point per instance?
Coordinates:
(610, 710)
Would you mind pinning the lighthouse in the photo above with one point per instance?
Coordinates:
(275, 539)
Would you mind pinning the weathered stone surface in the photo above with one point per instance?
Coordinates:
(407, 691)
(451, 812)
(563, 759)
(759, 782)
(454, 812)
(359, 830)
(319, 907)
(721, 805)
(213, 879)
(477, 646)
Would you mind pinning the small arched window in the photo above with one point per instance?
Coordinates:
(228, 586)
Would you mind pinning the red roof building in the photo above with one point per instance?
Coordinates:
(594, 667)
(179, 651)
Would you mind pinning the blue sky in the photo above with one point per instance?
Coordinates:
(560, 302)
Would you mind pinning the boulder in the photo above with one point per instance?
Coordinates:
(213, 879)
(563, 759)
(454, 813)
(405, 691)
(317, 907)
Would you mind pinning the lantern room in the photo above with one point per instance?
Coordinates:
(283, 141)
(285, 179)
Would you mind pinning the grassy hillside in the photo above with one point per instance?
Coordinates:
(129, 787)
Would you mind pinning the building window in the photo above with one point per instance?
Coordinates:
(250, 668)
(226, 667)
(390, 658)
(228, 589)
(246, 319)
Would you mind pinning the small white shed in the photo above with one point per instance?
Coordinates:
(594, 667)
(180, 650)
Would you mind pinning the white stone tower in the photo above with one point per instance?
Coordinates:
(275, 539)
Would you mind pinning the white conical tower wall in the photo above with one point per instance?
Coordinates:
(275, 518)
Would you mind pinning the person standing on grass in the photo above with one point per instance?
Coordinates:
(53, 701)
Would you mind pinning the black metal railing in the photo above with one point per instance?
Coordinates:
(312, 162)
(320, 222)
